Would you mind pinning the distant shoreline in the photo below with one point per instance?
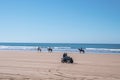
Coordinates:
(63, 47)
(57, 52)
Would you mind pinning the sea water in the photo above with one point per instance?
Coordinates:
(63, 47)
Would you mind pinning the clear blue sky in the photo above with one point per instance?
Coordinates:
(60, 21)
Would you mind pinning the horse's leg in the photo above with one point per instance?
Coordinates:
(83, 51)
(48, 50)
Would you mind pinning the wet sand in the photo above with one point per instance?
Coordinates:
(26, 65)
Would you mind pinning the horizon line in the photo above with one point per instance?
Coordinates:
(60, 42)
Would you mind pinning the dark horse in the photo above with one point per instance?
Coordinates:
(50, 50)
(39, 49)
(81, 50)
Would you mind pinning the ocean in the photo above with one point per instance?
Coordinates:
(63, 47)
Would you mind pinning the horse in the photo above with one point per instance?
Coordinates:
(50, 50)
(39, 49)
(81, 50)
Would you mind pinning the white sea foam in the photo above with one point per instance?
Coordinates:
(61, 49)
(103, 50)
(65, 49)
(56, 49)
(17, 47)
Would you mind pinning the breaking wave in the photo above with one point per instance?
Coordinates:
(103, 50)
(60, 49)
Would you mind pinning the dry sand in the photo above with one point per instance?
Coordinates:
(24, 65)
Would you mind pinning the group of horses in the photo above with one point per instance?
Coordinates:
(50, 50)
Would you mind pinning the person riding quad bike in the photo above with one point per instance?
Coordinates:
(66, 59)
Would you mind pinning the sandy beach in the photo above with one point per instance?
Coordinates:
(26, 65)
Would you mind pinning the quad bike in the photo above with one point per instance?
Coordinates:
(66, 59)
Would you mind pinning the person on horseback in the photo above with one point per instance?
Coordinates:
(81, 50)
(49, 49)
(39, 49)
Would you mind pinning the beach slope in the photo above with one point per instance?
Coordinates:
(26, 65)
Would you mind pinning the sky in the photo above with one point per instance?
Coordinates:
(60, 21)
